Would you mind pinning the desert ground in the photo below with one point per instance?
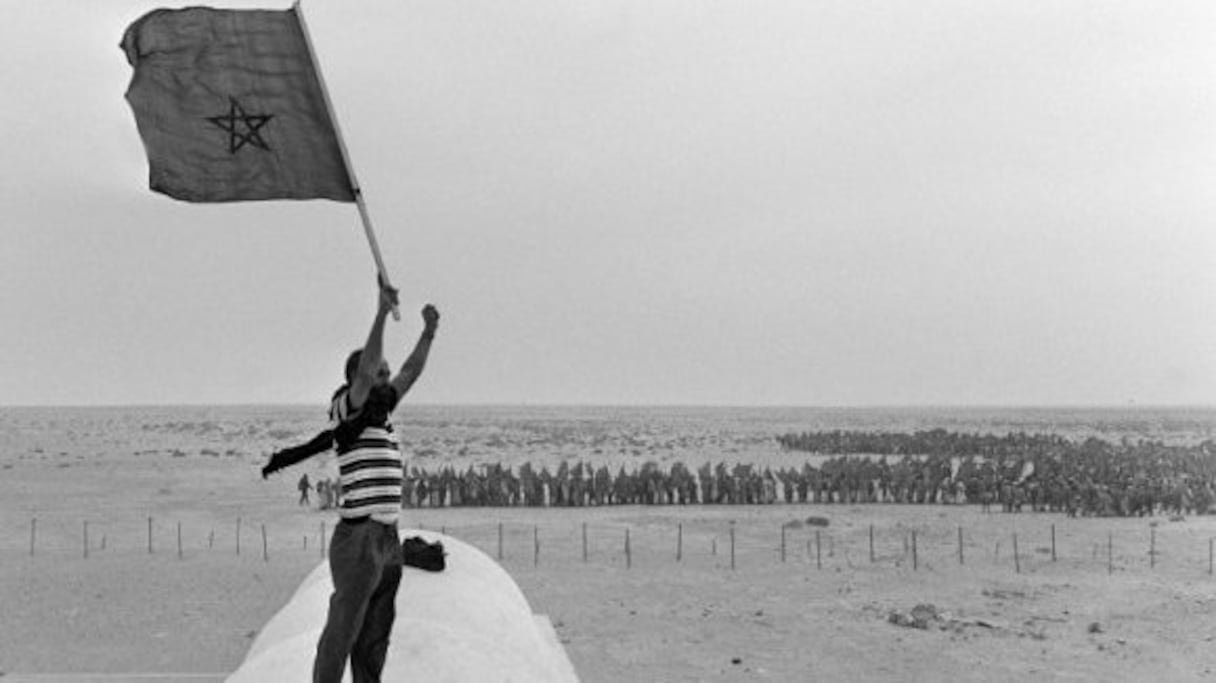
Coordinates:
(93, 577)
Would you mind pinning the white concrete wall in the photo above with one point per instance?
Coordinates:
(468, 623)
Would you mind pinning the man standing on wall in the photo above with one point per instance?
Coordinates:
(365, 553)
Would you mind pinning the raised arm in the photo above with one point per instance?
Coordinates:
(412, 368)
(373, 350)
(290, 456)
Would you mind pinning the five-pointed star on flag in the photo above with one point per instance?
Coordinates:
(246, 131)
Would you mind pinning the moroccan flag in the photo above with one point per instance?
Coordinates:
(230, 108)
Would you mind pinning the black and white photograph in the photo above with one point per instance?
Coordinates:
(601, 340)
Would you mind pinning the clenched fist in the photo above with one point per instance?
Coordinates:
(430, 316)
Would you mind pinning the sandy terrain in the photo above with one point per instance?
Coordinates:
(1103, 609)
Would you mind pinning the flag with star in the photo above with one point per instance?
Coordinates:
(230, 108)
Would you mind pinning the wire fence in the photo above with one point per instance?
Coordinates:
(650, 541)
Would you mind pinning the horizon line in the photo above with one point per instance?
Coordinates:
(657, 405)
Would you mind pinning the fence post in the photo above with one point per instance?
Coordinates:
(86, 539)
(871, 543)
(783, 543)
(33, 534)
(238, 535)
(679, 541)
(732, 545)
(960, 546)
(915, 564)
(500, 541)
(149, 535)
(628, 552)
(535, 545)
(1152, 547)
(818, 551)
(1017, 563)
(265, 549)
(1053, 543)
(1110, 553)
(179, 540)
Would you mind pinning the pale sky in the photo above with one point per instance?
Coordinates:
(721, 202)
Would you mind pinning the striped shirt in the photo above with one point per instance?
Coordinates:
(370, 468)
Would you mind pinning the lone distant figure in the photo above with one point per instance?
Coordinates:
(304, 487)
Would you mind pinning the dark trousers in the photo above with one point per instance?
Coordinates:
(365, 562)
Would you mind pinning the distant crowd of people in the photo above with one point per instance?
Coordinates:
(1017, 472)
(1045, 472)
(329, 494)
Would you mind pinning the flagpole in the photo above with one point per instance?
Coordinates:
(364, 216)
